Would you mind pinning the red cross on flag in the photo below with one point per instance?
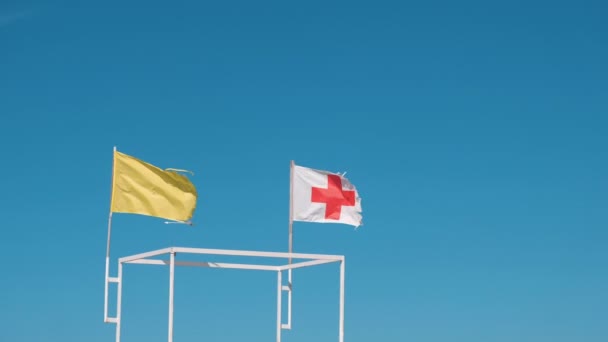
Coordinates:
(322, 196)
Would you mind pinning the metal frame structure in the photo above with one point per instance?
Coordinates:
(150, 258)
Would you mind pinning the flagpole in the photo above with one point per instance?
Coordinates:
(105, 303)
(289, 279)
(291, 210)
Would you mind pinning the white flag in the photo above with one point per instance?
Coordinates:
(322, 196)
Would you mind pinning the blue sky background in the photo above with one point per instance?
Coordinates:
(475, 132)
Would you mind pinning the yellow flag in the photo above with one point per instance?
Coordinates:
(142, 188)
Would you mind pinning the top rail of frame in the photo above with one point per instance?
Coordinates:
(232, 252)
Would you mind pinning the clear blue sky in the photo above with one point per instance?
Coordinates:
(475, 132)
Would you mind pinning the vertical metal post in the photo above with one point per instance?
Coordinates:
(289, 300)
(342, 270)
(279, 295)
(291, 167)
(289, 278)
(106, 285)
(105, 299)
(171, 281)
(119, 302)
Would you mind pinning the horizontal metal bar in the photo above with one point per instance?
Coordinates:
(111, 320)
(113, 280)
(306, 264)
(205, 264)
(149, 262)
(286, 288)
(286, 326)
(257, 253)
(145, 255)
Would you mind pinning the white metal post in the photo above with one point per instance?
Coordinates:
(289, 272)
(118, 302)
(342, 269)
(105, 299)
(290, 284)
(171, 281)
(279, 295)
(106, 279)
(291, 166)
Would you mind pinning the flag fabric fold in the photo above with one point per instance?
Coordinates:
(142, 188)
(324, 197)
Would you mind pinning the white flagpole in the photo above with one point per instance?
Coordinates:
(105, 303)
(341, 330)
(291, 210)
(279, 295)
(289, 279)
(171, 290)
